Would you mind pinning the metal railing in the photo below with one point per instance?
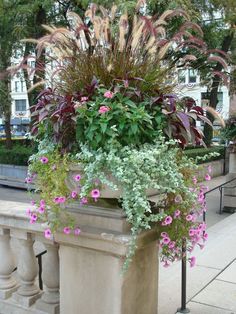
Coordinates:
(183, 308)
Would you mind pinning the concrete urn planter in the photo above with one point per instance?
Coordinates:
(106, 191)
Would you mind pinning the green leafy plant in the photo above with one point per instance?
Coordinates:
(110, 107)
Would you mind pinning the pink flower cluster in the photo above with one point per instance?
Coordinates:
(187, 221)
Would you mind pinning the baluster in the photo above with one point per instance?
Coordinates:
(7, 282)
(27, 269)
(49, 301)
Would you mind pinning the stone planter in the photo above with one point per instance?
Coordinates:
(91, 278)
(12, 175)
(106, 191)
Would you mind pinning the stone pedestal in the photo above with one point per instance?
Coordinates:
(91, 279)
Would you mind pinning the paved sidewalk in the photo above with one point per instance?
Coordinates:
(211, 284)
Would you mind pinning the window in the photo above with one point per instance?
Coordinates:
(181, 77)
(17, 86)
(192, 76)
(20, 105)
(22, 86)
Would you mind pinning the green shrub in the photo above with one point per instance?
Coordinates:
(18, 155)
(201, 151)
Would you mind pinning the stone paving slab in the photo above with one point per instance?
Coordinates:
(219, 294)
(198, 308)
(229, 274)
(170, 285)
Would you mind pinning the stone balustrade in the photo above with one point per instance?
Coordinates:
(20, 242)
(88, 267)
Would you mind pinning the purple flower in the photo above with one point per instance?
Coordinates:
(47, 233)
(166, 240)
(168, 220)
(171, 245)
(28, 212)
(77, 231)
(84, 200)
(166, 264)
(67, 230)
(33, 218)
(191, 232)
(205, 236)
(95, 194)
(42, 203)
(74, 194)
(59, 199)
(54, 167)
(189, 217)
(192, 261)
(44, 160)
(164, 234)
(207, 177)
(177, 213)
(41, 209)
(28, 180)
(77, 177)
(56, 200)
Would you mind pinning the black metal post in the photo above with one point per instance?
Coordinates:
(183, 308)
(221, 198)
(40, 272)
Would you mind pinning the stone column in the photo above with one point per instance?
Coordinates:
(7, 281)
(91, 279)
(50, 299)
(27, 269)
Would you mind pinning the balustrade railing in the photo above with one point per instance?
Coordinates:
(20, 291)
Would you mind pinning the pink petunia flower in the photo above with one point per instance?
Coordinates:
(103, 109)
(192, 261)
(67, 230)
(171, 245)
(28, 212)
(164, 234)
(28, 180)
(77, 177)
(108, 94)
(207, 177)
(177, 213)
(191, 232)
(77, 231)
(47, 233)
(84, 200)
(74, 194)
(41, 209)
(42, 203)
(205, 236)
(166, 264)
(189, 217)
(33, 218)
(44, 160)
(166, 240)
(168, 220)
(95, 194)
